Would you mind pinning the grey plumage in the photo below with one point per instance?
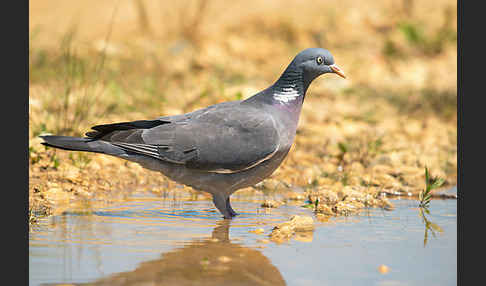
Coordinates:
(221, 148)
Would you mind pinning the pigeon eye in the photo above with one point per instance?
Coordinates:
(319, 60)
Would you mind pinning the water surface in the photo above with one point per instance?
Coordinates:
(148, 240)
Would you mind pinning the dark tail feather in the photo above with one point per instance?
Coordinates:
(82, 144)
(68, 143)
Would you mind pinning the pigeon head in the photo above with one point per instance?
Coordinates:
(304, 68)
(314, 62)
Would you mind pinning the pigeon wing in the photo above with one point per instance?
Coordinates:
(222, 140)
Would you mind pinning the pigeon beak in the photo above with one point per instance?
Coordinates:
(337, 70)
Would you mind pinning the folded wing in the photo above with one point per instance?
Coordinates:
(212, 140)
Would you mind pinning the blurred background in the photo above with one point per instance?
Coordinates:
(151, 56)
(94, 62)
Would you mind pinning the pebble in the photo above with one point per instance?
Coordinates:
(224, 259)
(257, 231)
(383, 269)
(287, 229)
(270, 204)
(295, 196)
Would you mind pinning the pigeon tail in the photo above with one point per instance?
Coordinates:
(81, 144)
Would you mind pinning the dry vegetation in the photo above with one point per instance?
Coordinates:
(94, 62)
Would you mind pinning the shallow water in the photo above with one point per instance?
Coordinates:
(148, 240)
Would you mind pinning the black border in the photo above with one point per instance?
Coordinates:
(15, 140)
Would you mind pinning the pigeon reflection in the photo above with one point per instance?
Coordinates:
(211, 261)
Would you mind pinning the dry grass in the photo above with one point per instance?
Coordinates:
(95, 62)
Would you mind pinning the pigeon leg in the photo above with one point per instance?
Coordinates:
(229, 208)
(219, 201)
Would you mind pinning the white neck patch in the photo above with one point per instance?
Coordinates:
(287, 94)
